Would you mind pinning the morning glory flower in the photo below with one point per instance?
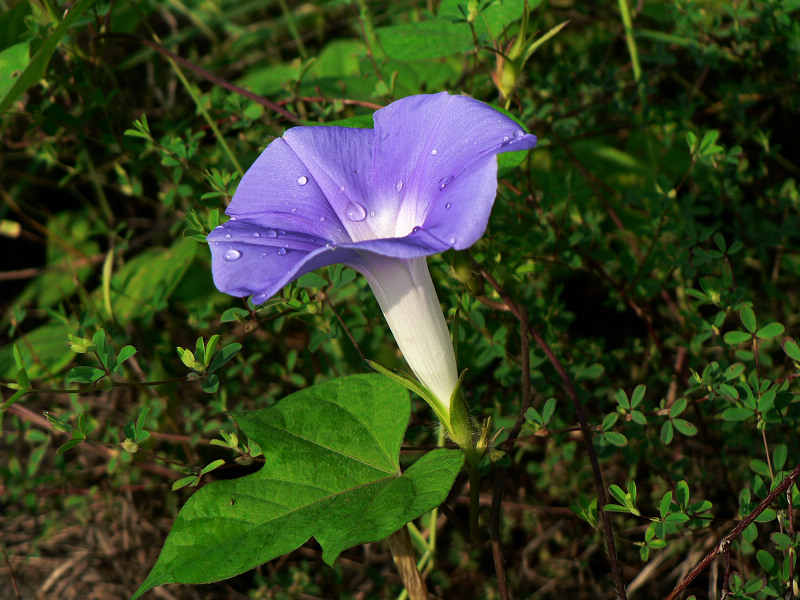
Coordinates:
(379, 201)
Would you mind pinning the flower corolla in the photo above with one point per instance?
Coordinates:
(377, 200)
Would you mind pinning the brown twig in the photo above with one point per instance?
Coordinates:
(786, 484)
(208, 75)
(500, 478)
(616, 572)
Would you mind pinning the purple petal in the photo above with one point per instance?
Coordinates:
(442, 148)
(422, 181)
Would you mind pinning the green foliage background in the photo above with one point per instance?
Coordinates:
(653, 238)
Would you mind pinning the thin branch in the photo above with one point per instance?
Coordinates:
(208, 75)
(616, 572)
(786, 484)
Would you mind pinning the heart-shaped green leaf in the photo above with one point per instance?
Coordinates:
(332, 471)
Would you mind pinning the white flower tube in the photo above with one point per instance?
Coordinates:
(405, 293)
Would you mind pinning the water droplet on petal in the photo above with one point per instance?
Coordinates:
(519, 134)
(216, 243)
(227, 236)
(322, 218)
(256, 234)
(302, 180)
(281, 232)
(262, 255)
(355, 212)
(233, 218)
(281, 251)
(341, 188)
(448, 205)
(271, 233)
(260, 297)
(434, 152)
(384, 136)
(232, 255)
(444, 181)
(416, 229)
(371, 214)
(330, 245)
(452, 240)
(505, 138)
(217, 227)
(399, 185)
(294, 210)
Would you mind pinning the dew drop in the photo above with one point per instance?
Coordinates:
(355, 212)
(260, 297)
(294, 210)
(519, 134)
(233, 218)
(322, 218)
(384, 136)
(282, 251)
(444, 181)
(330, 245)
(448, 205)
(505, 138)
(416, 229)
(216, 243)
(232, 255)
(399, 185)
(262, 255)
(256, 234)
(371, 214)
(227, 236)
(217, 227)
(302, 180)
(271, 233)
(341, 188)
(452, 240)
(434, 152)
(281, 232)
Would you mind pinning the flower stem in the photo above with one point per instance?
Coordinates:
(403, 553)
(474, 502)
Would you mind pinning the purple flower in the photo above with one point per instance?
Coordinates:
(378, 200)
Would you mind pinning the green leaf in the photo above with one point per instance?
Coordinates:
(770, 331)
(615, 438)
(224, 355)
(684, 427)
(760, 467)
(748, 318)
(424, 40)
(638, 395)
(791, 349)
(682, 493)
(779, 456)
(678, 407)
(85, 374)
(69, 445)
(663, 506)
(734, 338)
(38, 64)
(667, 432)
(332, 472)
(13, 61)
(736, 414)
(124, 354)
(144, 282)
(210, 384)
(312, 280)
(676, 518)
